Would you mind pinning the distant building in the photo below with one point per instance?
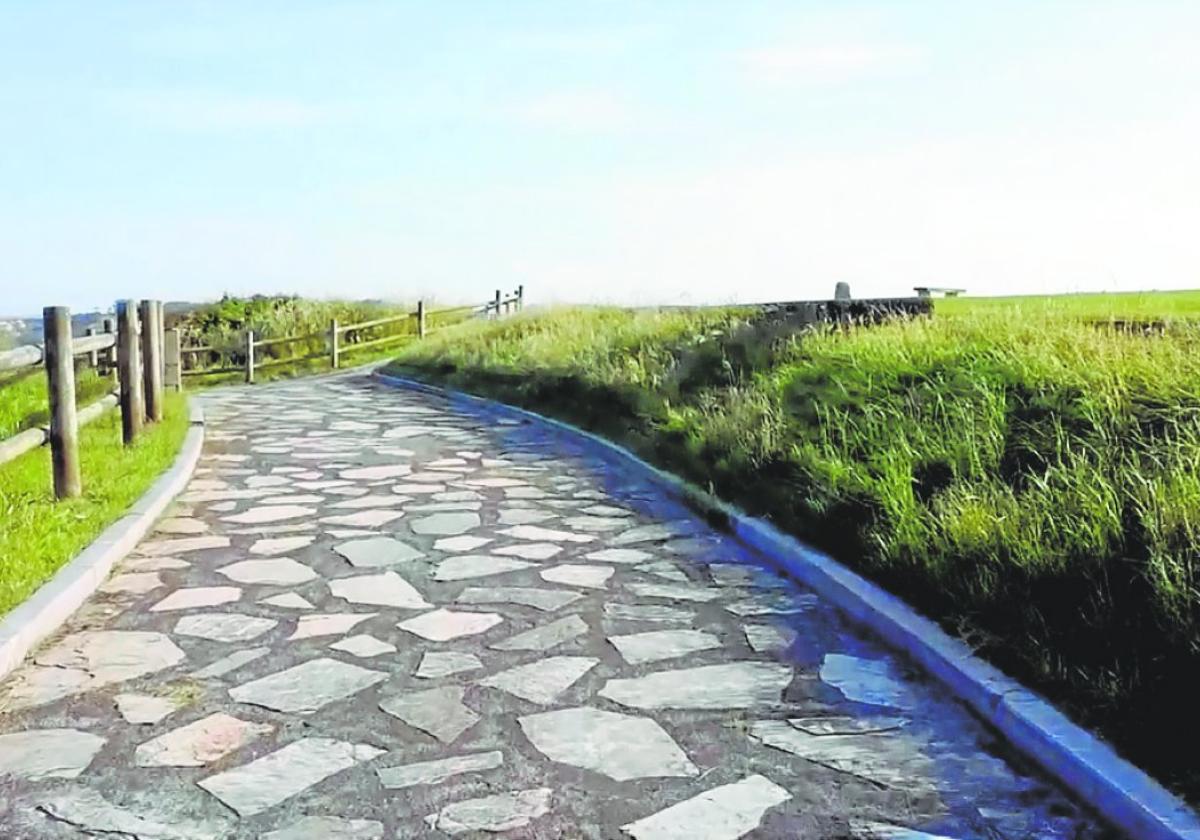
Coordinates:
(937, 291)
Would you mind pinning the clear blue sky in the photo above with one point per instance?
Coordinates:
(615, 151)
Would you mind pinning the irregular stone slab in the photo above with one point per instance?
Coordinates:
(280, 571)
(595, 524)
(418, 489)
(199, 743)
(92, 814)
(267, 781)
(865, 681)
(162, 548)
(524, 516)
(327, 828)
(364, 519)
(766, 638)
(619, 746)
(294, 499)
(546, 600)
(371, 501)
(377, 551)
(461, 543)
(638, 612)
(535, 534)
(444, 663)
(735, 685)
(664, 569)
(495, 814)
(264, 530)
(442, 625)
(154, 564)
(530, 551)
(777, 604)
(281, 545)
(88, 661)
(197, 596)
(590, 577)
(846, 725)
(364, 645)
(525, 492)
(271, 513)
(132, 583)
(376, 473)
(619, 555)
(890, 759)
(542, 681)
(727, 574)
(726, 812)
(223, 627)
(439, 712)
(606, 510)
(47, 753)
(673, 592)
(657, 645)
(144, 708)
(866, 830)
(445, 524)
(466, 566)
(257, 481)
(230, 663)
(435, 772)
(327, 624)
(649, 533)
(545, 637)
(288, 601)
(307, 687)
(385, 590)
(495, 482)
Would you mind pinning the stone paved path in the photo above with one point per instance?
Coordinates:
(376, 615)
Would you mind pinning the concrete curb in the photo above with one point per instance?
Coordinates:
(54, 602)
(1124, 795)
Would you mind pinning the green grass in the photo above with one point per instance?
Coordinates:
(39, 535)
(1021, 470)
(24, 404)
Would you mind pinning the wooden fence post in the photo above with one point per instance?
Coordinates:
(162, 340)
(109, 326)
(496, 304)
(420, 319)
(173, 360)
(94, 356)
(520, 297)
(152, 359)
(129, 371)
(250, 356)
(333, 343)
(60, 381)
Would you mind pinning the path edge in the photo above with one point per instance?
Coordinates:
(1122, 793)
(43, 612)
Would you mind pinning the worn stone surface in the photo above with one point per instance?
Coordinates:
(95, 816)
(493, 814)
(443, 625)
(387, 589)
(888, 758)
(546, 636)
(542, 681)
(621, 747)
(200, 596)
(439, 712)
(308, 687)
(571, 574)
(47, 753)
(282, 571)
(737, 685)
(864, 680)
(656, 614)
(436, 772)
(280, 545)
(328, 828)
(466, 566)
(656, 645)
(229, 664)
(377, 551)
(436, 664)
(327, 624)
(546, 600)
(199, 743)
(223, 627)
(364, 646)
(144, 708)
(726, 812)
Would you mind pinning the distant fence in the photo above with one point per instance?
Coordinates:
(336, 341)
(129, 347)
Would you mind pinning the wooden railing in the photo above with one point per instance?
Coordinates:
(133, 353)
(337, 340)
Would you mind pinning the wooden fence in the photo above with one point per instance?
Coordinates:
(337, 340)
(132, 352)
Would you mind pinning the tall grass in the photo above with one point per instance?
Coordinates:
(24, 403)
(1027, 472)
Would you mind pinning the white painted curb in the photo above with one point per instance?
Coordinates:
(1125, 795)
(54, 602)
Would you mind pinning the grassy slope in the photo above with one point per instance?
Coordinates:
(1028, 477)
(39, 535)
(24, 404)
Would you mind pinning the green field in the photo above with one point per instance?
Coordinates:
(1026, 471)
(24, 404)
(38, 535)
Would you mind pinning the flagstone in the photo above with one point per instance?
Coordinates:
(363, 645)
(281, 545)
(288, 601)
(92, 814)
(785, 603)
(439, 712)
(590, 577)
(327, 828)
(622, 747)
(766, 638)
(182, 546)
(524, 516)
(257, 481)
(546, 600)
(648, 533)
(230, 663)
(465, 543)
(726, 812)
(279, 571)
(370, 501)
(144, 708)
(199, 743)
(307, 687)
(888, 759)
(418, 489)
(372, 518)
(377, 551)
(223, 627)
(619, 555)
(525, 492)
(37, 754)
(197, 596)
(327, 624)
(280, 775)
(546, 636)
(181, 525)
(442, 625)
(534, 533)
(733, 685)
(530, 551)
(435, 772)
(386, 589)
(154, 564)
(270, 513)
(292, 499)
(595, 524)
(544, 680)
(494, 814)
(865, 681)
(657, 645)
(640, 612)
(664, 569)
(445, 524)
(673, 592)
(132, 583)
(465, 566)
(606, 510)
(375, 473)
(435, 664)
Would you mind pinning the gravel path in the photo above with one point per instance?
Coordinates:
(375, 614)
